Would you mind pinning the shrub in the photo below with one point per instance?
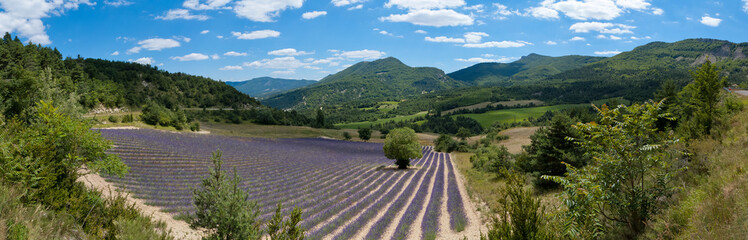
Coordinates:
(347, 136)
(445, 143)
(288, 229)
(113, 119)
(364, 134)
(491, 159)
(521, 216)
(402, 145)
(195, 127)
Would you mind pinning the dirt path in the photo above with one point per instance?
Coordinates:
(390, 230)
(444, 228)
(475, 225)
(179, 229)
(415, 230)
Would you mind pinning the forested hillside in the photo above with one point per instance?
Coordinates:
(263, 87)
(529, 68)
(365, 82)
(95, 82)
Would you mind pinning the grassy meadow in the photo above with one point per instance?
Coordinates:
(516, 114)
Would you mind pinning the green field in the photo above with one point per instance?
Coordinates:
(357, 125)
(516, 114)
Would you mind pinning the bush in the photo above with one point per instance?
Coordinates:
(347, 136)
(445, 143)
(521, 216)
(491, 159)
(195, 127)
(402, 145)
(128, 118)
(113, 119)
(364, 134)
(222, 208)
(288, 229)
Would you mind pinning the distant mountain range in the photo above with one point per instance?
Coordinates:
(263, 87)
(385, 79)
(525, 70)
(635, 75)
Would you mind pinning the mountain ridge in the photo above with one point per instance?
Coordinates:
(263, 87)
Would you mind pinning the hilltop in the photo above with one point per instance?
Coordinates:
(380, 80)
(263, 87)
(529, 68)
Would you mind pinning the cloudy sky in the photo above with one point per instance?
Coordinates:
(234, 40)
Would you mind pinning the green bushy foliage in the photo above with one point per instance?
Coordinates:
(364, 134)
(113, 119)
(551, 148)
(402, 145)
(630, 171)
(223, 208)
(445, 143)
(279, 228)
(521, 215)
(347, 136)
(491, 159)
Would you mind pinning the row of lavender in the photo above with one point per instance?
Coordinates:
(341, 186)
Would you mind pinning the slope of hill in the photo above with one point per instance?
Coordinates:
(524, 70)
(263, 87)
(380, 80)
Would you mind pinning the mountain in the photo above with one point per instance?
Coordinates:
(385, 79)
(263, 87)
(524, 70)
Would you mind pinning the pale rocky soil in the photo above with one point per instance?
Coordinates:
(179, 229)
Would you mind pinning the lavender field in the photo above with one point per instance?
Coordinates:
(347, 190)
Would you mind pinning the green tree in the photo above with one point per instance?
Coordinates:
(402, 145)
(223, 208)
(463, 133)
(288, 229)
(319, 122)
(551, 147)
(630, 171)
(347, 136)
(491, 159)
(703, 95)
(445, 143)
(521, 216)
(364, 134)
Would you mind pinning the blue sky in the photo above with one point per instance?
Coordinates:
(233, 40)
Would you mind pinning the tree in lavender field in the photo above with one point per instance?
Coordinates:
(402, 145)
(223, 208)
(364, 134)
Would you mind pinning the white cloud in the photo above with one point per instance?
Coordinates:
(495, 44)
(181, 14)
(601, 37)
(235, 54)
(285, 72)
(215, 57)
(710, 21)
(577, 38)
(182, 38)
(659, 11)
(118, 3)
(444, 39)
(230, 68)
(259, 34)
(205, 32)
(480, 59)
(312, 67)
(551, 43)
(115, 53)
(360, 6)
(419, 31)
(264, 10)
(144, 61)
(311, 15)
(477, 8)
(425, 4)
(745, 6)
(340, 3)
(475, 37)
(288, 52)
(633, 4)
(156, 44)
(219, 37)
(191, 57)
(434, 18)
(23, 17)
(641, 38)
(208, 5)
(589, 9)
(614, 37)
(277, 63)
(611, 28)
(503, 11)
(607, 52)
(543, 12)
(361, 54)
